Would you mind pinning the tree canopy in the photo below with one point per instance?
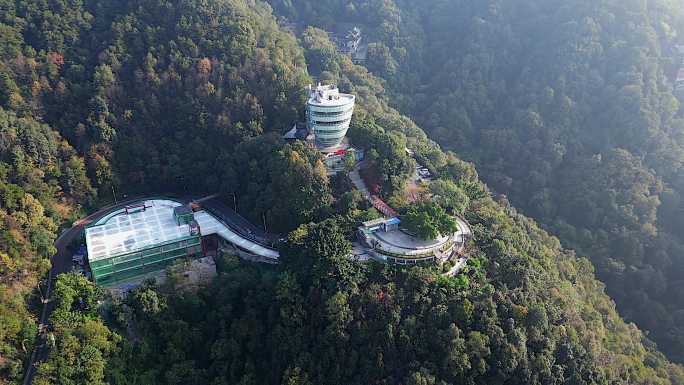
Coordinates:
(567, 108)
(428, 221)
(101, 98)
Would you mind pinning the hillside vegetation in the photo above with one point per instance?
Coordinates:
(127, 97)
(43, 183)
(564, 107)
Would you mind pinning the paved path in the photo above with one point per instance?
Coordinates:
(464, 233)
(460, 264)
(210, 224)
(357, 181)
(239, 224)
(463, 229)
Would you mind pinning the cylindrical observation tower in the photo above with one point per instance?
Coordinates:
(328, 114)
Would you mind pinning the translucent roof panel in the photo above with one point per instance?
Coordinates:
(120, 232)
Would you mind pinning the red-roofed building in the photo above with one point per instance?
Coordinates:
(384, 208)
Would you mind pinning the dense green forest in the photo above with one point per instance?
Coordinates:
(103, 98)
(43, 182)
(565, 107)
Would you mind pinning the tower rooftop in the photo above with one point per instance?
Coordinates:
(328, 96)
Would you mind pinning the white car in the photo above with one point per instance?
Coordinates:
(424, 172)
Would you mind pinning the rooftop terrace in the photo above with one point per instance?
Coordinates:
(328, 96)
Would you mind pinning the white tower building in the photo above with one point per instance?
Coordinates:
(328, 113)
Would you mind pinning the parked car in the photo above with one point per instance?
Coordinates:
(424, 172)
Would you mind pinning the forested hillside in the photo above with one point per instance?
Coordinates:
(525, 312)
(565, 107)
(43, 183)
(103, 98)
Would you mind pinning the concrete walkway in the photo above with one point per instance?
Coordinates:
(212, 225)
(357, 181)
(460, 264)
(463, 229)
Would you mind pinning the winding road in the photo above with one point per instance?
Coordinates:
(61, 263)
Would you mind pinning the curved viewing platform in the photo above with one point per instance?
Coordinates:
(399, 241)
(388, 243)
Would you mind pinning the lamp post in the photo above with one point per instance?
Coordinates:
(114, 194)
